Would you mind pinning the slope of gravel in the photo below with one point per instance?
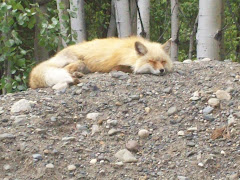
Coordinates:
(58, 136)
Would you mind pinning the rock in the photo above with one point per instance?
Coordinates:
(147, 109)
(93, 161)
(223, 95)
(143, 133)
(205, 60)
(231, 120)
(135, 97)
(6, 136)
(68, 139)
(125, 156)
(200, 164)
(208, 117)
(50, 166)
(208, 110)
(1, 110)
(113, 132)
(172, 110)
(95, 129)
(192, 129)
(167, 90)
(71, 167)
(181, 133)
(112, 122)
(132, 145)
(182, 178)
(119, 163)
(7, 167)
(37, 156)
(187, 61)
(93, 116)
(19, 120)
(119, 74)
(191, 144)
(194, 98)
(22, 105)
(214, 102)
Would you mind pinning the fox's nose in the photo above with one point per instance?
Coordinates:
(162, 71)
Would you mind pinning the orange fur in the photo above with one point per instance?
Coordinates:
(102, 55)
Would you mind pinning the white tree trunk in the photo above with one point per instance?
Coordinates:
(77, 20)
(112, 29)
(144, 11)
(63, 29)
(123, 18)
(174, 29)
(209, 29)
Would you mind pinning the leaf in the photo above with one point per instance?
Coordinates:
(32, 22)
(218, 132)
(10, 43)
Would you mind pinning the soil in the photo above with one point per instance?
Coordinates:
(55, 132)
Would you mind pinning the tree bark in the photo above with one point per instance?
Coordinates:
(78, 25)
(112, 29)
(133, 15)
(40, 53)
(191, 42)
(61, 13)
(144, 12)
(209, 29)
(174, 29)
(123, 18)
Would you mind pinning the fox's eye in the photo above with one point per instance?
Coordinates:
(163, 62)
(152, 61)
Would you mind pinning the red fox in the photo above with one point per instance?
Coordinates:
(132, 54)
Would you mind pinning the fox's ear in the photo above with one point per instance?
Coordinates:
(140, 48)
(167, 45)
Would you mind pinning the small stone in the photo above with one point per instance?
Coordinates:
(6, 136)
(200, 164)
(132, 145)
(95, 129)
(182, 178)
(167, 90)
(119, 163)
(119, 74)
(19, 120)
(172, 110)
(223, 153)
(50, 166)
(113, 132)
(125, 156)
(208, 110)
(192, 129)
(187, 61)
(118, 103)
(181, 133)
(223, 95)
(214, 102)
(194, 98)
(143, 133)
(93, 116)
(53, 119)
(71, 167)
(37, 156)
(208, 117)
(205, 60)
(147, 109)
(22, 105)
(1, 110)
(231, 120)
(6, 167)
(93, 161)
(135, 97)
(41, 131)
(229, 89)
(112, 122)
(68, 139)
(191, 144)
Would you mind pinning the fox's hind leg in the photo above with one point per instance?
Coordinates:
(77, 70)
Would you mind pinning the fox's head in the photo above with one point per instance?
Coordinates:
(153, 57)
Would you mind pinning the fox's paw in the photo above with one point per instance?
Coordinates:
(77, 74)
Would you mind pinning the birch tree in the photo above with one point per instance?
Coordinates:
(209, 29)
(174, 29)
(144, 16)
(77, 20)
(112, 29)
(123, 18)
(62, 6)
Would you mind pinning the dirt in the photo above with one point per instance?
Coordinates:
(179, 144)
